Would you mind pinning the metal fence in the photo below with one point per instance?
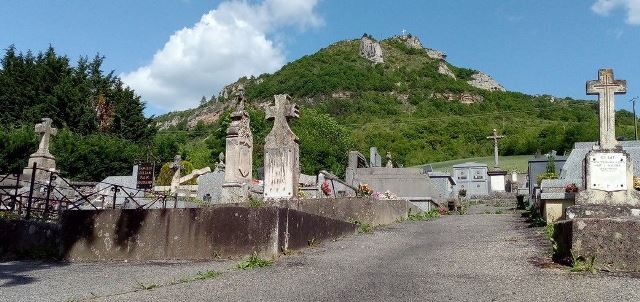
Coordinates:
(45, 195)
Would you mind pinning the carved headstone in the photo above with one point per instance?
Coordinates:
(375, 160)
(609, 169)
(281, 152)
(42, 157)
(239, 155)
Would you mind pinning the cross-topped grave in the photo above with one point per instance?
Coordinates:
(42, 157)
(281, 151)
(176, 166)
(606, 88)
(495, 137)
(47, 131)
(608, 170)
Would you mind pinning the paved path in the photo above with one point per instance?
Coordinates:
(454, 258)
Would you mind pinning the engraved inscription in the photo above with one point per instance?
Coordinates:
(608, 172)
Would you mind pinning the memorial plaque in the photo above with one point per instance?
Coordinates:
(145, 176)
(607, 171)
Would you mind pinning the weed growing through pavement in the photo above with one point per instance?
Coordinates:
(579, 264)
(364, 228)
(499, 212)
(142, 286)
(210, 274)
(254, 262)
(424, 216)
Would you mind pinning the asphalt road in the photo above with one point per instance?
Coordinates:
(453, 258)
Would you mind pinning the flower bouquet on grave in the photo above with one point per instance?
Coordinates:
(364, 190)
(571, 188)
(636, 183)
(325, 188)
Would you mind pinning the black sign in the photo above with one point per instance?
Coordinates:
(145, 176)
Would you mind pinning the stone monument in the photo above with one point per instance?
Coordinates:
(375, 160)
(177, 167)
(497, 176)
(238, 165)
(389, 161)
(281, 152)
(604, 224)
(43, 159)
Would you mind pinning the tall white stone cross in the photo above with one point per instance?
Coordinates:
(495, 137)
(47, 131)
(606, 88)
(404, 32)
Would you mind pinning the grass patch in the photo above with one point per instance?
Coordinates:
(256, 203)
(433, 214)
(142, 286)
(580, 264)
(210, 274)
(364, 228)
(254, 262)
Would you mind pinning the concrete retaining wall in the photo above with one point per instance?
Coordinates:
(364, 210)
(29, 240)
(185, 234)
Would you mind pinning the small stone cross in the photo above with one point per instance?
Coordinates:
(606, 88)
(282, 112)
(404, 32)
(495, 137)
(177, 164)
(47, 131)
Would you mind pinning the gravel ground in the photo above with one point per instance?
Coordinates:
(453, 258)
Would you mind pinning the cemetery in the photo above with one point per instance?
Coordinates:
(371, 169)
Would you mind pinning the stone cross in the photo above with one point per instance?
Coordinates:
(404, 32)
(495, 137)
(281, 152)
(606, 88)
(389, 162)
(47, 131)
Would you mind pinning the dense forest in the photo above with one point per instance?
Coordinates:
(347, 103)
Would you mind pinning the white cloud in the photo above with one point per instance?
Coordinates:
(605, 7)
(227, 43)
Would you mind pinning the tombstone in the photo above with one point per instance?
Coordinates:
(238, 166)
(389, 161)
(608, 171)
(177, 167)
(220, 166)
(281, 152)
(604, 224)
(375, 160)
(43, 159)
(495, 137)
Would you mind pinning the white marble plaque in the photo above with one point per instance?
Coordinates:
(607, 171)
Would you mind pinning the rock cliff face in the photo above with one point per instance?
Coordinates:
(484, 81)
(444, 69)
(371, 50)
(412, 41)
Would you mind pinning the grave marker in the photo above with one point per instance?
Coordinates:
(281, 151)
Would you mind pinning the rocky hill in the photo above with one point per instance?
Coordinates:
(405, 98)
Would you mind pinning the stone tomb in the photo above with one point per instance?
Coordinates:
(604, 224)
(281, 152)
(497, 177)
(239, 156)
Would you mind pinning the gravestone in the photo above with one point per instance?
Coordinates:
(43, 159)
(605, 222)
(374, 157)
(497, 177)
(281, 151)
(177, 167)
(238, 167)
(608, 173)
(389, 161)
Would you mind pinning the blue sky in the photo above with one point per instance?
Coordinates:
(174, 51)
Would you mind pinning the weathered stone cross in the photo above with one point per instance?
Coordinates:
(606, 88)
(47, 131)
(495, 137)
(281, 113)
